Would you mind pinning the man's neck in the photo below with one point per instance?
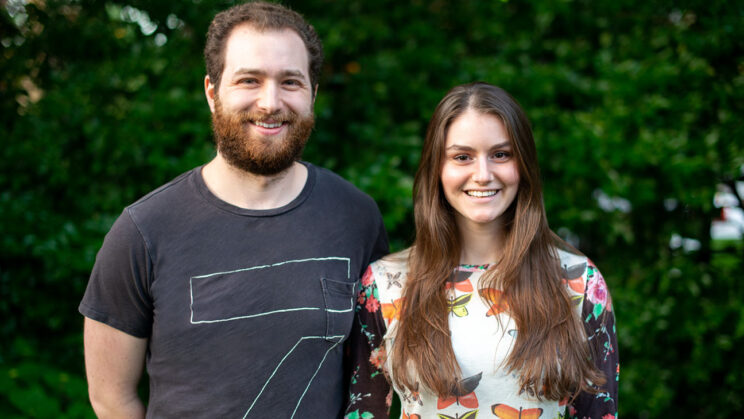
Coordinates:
(247, 190)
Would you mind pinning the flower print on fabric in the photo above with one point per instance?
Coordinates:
(599, 324)
(597, 292)
(368, 278)
(372, 304)
(377, 358)
(369, 390)
(359, 415)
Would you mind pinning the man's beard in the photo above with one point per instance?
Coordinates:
(255, 153)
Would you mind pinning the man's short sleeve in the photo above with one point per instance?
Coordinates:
(118, 290)
(381, 246)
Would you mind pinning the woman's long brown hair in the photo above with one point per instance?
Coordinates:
(551, 353)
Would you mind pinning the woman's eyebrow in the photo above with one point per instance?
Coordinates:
(460, 147)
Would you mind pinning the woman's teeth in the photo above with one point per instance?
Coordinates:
(481, 194)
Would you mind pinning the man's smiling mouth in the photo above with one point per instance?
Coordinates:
(268, 124)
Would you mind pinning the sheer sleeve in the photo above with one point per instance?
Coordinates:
(369, 391)
(599, 322)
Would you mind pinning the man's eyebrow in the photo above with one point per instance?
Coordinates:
(293, 73)
(264, 73)
(252, 71)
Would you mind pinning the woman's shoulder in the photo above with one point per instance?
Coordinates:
(390, 274)
(574, 269)
(584, 281)
(397, 261)
(573, 264)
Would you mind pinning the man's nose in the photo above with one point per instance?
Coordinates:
(268, 99)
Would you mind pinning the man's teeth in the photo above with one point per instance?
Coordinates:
(267, 125)
(481, 194)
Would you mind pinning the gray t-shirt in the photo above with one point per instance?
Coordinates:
(246, 311)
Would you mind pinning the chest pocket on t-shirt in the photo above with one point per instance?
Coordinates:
(338, 298)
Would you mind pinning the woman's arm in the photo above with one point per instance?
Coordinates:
(599, 322)
(369, 391)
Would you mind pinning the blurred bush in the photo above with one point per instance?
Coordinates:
(636, 108)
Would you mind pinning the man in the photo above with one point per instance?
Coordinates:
(236, 281)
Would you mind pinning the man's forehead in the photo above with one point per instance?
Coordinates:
(248, 43)
(246, 33)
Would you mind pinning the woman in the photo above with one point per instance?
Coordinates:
(489, 313)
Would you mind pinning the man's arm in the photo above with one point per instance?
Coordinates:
(113, 364)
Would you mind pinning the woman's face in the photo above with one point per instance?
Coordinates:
(480, 177)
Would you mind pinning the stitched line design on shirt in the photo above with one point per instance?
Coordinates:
(287, 310)
(348, 266)
(338, 340)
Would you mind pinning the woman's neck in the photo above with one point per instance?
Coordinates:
(480, 243)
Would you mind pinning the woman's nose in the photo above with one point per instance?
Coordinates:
(483, 173)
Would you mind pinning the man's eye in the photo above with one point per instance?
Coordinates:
(291, 82)
(248, 81)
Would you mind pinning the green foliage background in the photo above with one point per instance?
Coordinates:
(632, 102)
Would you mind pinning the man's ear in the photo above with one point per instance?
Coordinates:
(315, 93)
(210, 91)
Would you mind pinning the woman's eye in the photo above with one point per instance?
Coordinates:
(461, 157)
(501, 155)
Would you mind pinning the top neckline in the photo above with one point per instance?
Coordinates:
(471, 268)
(201, 186)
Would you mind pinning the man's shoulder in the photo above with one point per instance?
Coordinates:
(327, 179)
(163, 203)
(164, 195)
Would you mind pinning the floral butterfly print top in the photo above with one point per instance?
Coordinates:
(481, 344)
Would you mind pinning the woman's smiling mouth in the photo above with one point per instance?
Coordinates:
(482, 194)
